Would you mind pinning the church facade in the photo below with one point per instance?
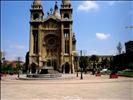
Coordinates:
(52, 42)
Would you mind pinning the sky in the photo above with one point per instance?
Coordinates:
(98, 26)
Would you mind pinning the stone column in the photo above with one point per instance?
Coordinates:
(31, 42)
(70, 48)
(39, 45)
(31, 48)
(62, 44)
(73, 64)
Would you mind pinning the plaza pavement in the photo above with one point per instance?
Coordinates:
(69, 87)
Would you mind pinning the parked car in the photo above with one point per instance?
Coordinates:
(128, 70)
(105, 71)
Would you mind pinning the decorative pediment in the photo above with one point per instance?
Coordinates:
(52, 17)
(51, 24)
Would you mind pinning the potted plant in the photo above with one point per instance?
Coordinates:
(113, 74)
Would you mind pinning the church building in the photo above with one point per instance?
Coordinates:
(52, 42)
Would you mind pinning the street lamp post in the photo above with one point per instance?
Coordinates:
(81, 64)
(77, 60)
(81, 74)
(77, 73)
(18, 73)
(18, 66)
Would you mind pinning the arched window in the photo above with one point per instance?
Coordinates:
(36, 16)
(35, 25)
(66, 16)
(35, 39)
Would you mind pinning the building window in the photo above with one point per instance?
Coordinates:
(66, 46)
(66, 16)
(36, 16)
(66, 35)
(35, 38)
(35, 25)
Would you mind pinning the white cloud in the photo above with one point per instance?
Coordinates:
(111, 2)
(88, 5)
(17, 46)
(102, 36)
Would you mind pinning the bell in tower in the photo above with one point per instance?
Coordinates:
(37, 11)
(51, 39)
(67, 36)
(36, 17)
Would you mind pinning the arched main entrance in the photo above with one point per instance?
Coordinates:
(33, 68)
(54, 63)
(67, 67)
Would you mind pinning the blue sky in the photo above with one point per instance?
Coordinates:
(98, 26)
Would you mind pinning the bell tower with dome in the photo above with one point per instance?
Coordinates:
(67, 35)
(52, 41)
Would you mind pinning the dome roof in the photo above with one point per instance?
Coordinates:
(37, 2)
(66, 2)
(57, 15)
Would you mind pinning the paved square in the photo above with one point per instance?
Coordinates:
(69, 87)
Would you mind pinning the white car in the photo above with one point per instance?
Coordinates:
(103, 70)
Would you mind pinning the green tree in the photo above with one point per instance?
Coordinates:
(3, 68)
(18, 66)
(130, 65)
(105, 63)
(26, 61)
(9, 68)
(94, 60)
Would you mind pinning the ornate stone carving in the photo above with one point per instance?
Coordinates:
(50, 25)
